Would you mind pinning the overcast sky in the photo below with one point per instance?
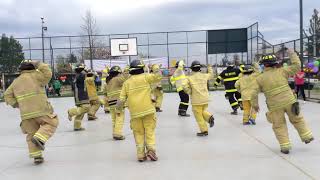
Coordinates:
(278, 20)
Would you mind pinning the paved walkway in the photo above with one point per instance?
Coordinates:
(230, 152)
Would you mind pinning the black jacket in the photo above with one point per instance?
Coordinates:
(80, 91)
(229, 77)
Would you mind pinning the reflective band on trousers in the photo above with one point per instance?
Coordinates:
(231, 90)
(234, 104)
(41, 137)
(306, 135)
(28, 95)
(187, 104)
(231, 79)
(285, 145)
(35, 154)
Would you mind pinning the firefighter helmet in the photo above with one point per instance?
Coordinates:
(26, 65)
(136, 67)
(247, 69)
(195, 66)
(115, 69)
(269, 59)
(178, 62)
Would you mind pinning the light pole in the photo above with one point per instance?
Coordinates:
(301, 33)
(43, 28)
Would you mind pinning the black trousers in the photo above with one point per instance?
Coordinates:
(234, 99)
(301, 89)
(184, 101)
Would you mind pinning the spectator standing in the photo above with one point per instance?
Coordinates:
(299, 84)
(57, 86)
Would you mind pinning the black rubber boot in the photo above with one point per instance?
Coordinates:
(211, 121)
(119, 138)
(80, 129)
(252, 121)
(201, 134)
(142, 159)
(38, 143)
(246, 123)
(183, 113)
(158, 109)
(285, 151)
(38, 160)
(309, 140)
(92, 118)
(234, 112)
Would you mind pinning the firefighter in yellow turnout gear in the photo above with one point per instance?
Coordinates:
(273, 82)
(197, 87)
(157, 91)
(93, 96)
(137, 92)
(114, 83)
(27, 93)
(178, 79)
(105, 73)
(244, 86)
(81, 99)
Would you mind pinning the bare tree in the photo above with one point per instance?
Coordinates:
(89, 29)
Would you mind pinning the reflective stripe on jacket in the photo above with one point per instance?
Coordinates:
(136, 91)
(27, 92)
(197, 86)
(273, 82)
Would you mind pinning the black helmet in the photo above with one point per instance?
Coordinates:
(79, 68)
(136, 67)
(269, 59)
(247, 69)
(115, 69)
(195, 66)
(90, 73)
(230, 63)
(26, 65)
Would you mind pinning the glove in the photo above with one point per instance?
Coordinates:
(295, 108)
(181, 63)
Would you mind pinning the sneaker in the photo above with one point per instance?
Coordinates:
(38, 160)
(79, 129)
(119, 138)
(69, 116)
(158, 109)
(285, 151)
(38, 143)
(211, 121)
(252, 121)
(152, 155)
(309, 140)
(202, 134)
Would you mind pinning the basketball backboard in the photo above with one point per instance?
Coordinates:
(124, 47)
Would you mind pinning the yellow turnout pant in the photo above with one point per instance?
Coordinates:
(159, 97)
(94, 107)
(202, 116)
(248, 111)
(279, 126)
(79, 113)
(144, 133)
(117, 122)
(41, 128)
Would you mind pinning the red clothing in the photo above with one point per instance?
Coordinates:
(299, 78)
